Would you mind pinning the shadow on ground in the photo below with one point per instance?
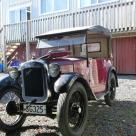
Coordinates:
(33, 127)
(128, 77)
(118, 120)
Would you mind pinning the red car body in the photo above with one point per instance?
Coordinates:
(94, 71)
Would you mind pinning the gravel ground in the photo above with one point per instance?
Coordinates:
(118, 120)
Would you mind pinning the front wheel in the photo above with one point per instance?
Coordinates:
(72, 111)
(10, 122)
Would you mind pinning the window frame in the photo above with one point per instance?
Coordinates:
(54, 11)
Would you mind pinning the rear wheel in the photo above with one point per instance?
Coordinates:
(72, 111)
(8, 120)
(112, 90)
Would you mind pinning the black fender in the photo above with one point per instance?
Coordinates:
(7, 82)
(112, 69)
(65, 82)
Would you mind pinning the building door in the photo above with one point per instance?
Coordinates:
(124, 54)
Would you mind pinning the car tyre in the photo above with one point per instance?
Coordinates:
(72, 111)
(5, 117)
(110, 96)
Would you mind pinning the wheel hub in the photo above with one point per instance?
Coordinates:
(11, 108)
(76, 108)
(75, 112)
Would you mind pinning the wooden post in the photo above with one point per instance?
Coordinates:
(4, 50)
(27, 43)
(28, 56)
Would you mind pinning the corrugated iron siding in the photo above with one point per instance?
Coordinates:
(124, 54)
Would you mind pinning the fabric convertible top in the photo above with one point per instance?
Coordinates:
(71, 36)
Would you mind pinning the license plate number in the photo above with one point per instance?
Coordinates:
(34, 109)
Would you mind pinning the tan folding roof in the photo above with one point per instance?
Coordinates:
(86, 29)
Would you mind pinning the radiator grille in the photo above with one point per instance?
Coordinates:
(33, 82)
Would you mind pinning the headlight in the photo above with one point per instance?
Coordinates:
(13, 72)
(54, 69)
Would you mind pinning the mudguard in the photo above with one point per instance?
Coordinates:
(65, 82)
(6, 81)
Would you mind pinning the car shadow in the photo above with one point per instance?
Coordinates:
(47, 134)
(118, 120)
(128, 77)
(22, 129)
(33, 127)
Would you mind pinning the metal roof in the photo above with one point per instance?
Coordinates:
(88, 29)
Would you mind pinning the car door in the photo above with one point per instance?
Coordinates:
(98, 75)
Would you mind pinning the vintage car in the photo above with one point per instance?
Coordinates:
(60, 84)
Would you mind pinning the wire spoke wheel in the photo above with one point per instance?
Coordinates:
(8, 121)
(72, 111)
(5, 117)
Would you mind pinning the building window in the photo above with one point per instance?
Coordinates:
(28, 13)
(94, 1)
(11, 2)
(12, 17)
(19, 15)
(48, 6)
(23, 15)
(60, 4)
(84, 3)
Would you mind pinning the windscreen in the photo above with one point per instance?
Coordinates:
(63, 41)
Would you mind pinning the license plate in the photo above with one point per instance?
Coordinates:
(34, 109)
